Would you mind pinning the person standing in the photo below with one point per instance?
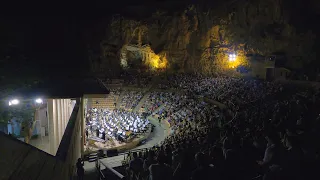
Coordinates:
(273, 158)
(203, 170)
(103, 135)
(160, 170)
(135, 166)
(97, 132)
(80, 169)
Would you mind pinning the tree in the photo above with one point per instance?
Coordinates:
(4, 114)
(15, 76)
(25, 114)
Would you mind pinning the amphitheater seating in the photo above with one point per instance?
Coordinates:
(130, 99)
(105, 103)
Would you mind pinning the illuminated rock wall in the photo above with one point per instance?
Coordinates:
(188, 41)
(200, 38)
(145, 54)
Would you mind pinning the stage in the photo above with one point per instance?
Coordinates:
(159, 133)
(114, 129)
(94, 144)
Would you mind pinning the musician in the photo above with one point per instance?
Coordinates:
(104, 135)
(115, 123)
(97, 132)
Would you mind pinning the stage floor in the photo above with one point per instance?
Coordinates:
(111, 144)
(94, 144)
(159, 133)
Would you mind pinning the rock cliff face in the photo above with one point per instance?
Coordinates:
(200, 39)
(186, 39)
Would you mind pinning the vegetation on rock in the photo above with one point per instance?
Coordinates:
(200, 39)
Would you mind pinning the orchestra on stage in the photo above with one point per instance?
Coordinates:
(118, 124)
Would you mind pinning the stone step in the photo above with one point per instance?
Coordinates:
(141, 102)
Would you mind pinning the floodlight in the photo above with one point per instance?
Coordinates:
(14, 102)
(232, 57)
(39, 101)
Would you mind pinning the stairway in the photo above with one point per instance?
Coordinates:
(111, 99)
(155, 111)
(119, 99)
(141, 102)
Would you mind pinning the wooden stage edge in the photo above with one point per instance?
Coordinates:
(127, 146)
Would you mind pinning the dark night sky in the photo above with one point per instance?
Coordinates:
(55, 35)
(50, 41)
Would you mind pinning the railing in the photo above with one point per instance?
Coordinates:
(101, 174)
(125, 154)
(127, 157)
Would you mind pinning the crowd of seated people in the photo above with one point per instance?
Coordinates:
(226, 90)
(131, 79)
(130, 99)
(188, 112)
(155, 100)
(272, 134)
(175, 102)
(116, 124)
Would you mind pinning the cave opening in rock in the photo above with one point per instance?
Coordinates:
(134, 55)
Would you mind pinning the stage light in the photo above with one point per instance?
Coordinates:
(39, 101)
(14, 102)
